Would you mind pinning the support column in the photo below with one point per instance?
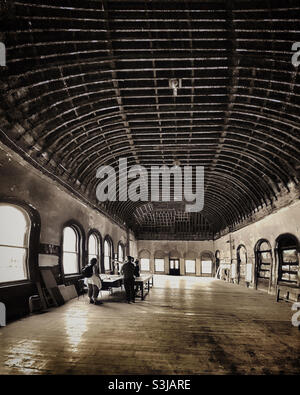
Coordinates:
(167, 264)
(182, 266)
(152, 265)
(198, 267)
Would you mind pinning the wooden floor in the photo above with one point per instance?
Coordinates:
(185, 326)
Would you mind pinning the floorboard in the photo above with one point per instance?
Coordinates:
(184, 326)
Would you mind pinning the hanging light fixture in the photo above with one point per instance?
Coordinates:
(175, 84)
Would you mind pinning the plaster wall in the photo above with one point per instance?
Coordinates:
(285, 220)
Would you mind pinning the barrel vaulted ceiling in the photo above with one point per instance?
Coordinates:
(88, 82)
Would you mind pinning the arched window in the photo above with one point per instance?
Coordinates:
(107, 254)
(121, 252)
(288, 247)
(94, 249)
(263, 270)
(71, 250)
(241, 263)
(14, 243)
(121, 256)
(206, 264)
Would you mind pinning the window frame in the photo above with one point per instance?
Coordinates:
(204, 257)
(95, 233)
(260, 264)
(121, 245)
(24, 247)
(108, 239)
(159, 271)
(118, 262)
(80, 245)
(281, 247)
(185, 261)
(143, 270)
(33, 241)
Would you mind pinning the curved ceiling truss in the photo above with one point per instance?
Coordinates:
(87, 83)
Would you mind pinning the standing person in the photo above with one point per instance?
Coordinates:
(128, 272)
(136, 274)
(93, 280)
(137, 268)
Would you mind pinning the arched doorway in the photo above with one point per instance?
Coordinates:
(241, 255)
(263, 265)
(287, 247)
(174, 263)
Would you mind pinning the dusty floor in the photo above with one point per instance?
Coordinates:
(185, 326)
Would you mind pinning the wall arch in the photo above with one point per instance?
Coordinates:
(144, 254)
(33, 235)
(263, 265)
(82, 257)
(15, 295)
(174, 254)
(97, 234)
(159, 254)
(288, 257)
(190, 254)
(108, 254)
(241, 265)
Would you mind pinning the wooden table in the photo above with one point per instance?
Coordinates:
(144, 283)
(111, 281)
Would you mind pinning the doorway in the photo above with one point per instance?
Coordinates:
(241, 264)
(288, 268)
(263, 265)
(174, 267)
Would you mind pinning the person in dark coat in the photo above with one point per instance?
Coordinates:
(127, 271)
(137, 268)
(136, 274)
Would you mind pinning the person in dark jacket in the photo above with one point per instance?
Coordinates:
(137, 274)
(137, 268)
(128, 272)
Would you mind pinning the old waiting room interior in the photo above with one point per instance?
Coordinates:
(209, 83)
